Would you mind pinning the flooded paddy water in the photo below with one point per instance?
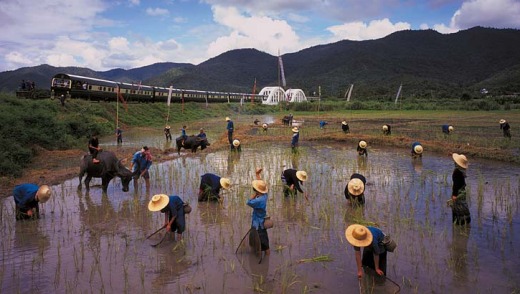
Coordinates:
(92, 243)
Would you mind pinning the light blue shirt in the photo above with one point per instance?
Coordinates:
(259, 205)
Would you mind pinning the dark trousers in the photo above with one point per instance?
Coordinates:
(368, 259)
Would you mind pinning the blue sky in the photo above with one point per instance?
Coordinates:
(102, 34)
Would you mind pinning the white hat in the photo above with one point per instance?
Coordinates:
(460, 159)
(158, 202)
(236, 143)
(362, 144)
(301, 175)
(264, 126)
(260, 186)
(418, 149)
(295, 130)
(344, 123)
(44, 193)
(502, 121)
(385, 128)
(450, 128)
(356, 187)
(358, 235)
(227, 118)
(225, 183)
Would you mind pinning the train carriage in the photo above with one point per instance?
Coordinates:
(75, 86)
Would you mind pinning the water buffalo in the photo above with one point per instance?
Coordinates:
(192, 142)
(108, 168)
(287, 120)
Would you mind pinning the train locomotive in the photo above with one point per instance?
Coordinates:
(93, 89)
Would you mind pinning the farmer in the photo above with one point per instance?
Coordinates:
(323, 124)
(417, 150)
(256, 121)
(504, 126)
(374, 253)
(141, 162)
(167, 133)
(459, 207)
(201, 134)
(355, 189)
(119, 135)
(264, 127)
(236, 145)
(26, 199)
(173, 209)
(210, 185)
(362, 148)
(344, 127)
(93, 147)
(295, 139)
(447, 129)
(258, 201)
(183, 135)
(292, 179)
(230, 129)
(387, 130)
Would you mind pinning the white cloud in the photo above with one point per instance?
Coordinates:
(424, 26)
(157, 11)
(361, 31)
(443, 29)
(260, 32)
(487, 13)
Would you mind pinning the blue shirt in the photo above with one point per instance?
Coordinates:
(202, 135)
(230, 126)
(445, 128)
(140, 162)
(259, 205)
(377, 240)
(212, 182)
(295, 138)
(25, 196)
(183, 132)
(175, 208)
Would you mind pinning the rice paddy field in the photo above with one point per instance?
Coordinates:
(90, 242)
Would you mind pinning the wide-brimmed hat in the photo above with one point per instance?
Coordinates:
(301, 175)
(44, 193)
(358, 235)
(167, 127)
(385, 128)
(363, 144)
(502, 121)
(295, 130)
(260, 186)
(225, 183)
(227, 118)
(418, 149)
(460, 160)
(158, 202)
(264, 126)
(450, 128)
(356, 187)
(344, 123)
(236, 143)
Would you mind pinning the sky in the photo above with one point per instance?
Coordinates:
(107, 34)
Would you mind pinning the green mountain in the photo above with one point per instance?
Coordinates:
(425, 62)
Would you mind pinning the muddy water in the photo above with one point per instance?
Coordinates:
(90, 242)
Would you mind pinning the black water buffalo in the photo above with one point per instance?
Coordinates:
(287, 120)
(107, 168)
(192, 142)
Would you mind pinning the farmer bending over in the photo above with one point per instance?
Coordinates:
(374, 253)
(26, 199)
(173, 209)
(210, 185)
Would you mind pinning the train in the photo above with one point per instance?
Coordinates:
(93, 89)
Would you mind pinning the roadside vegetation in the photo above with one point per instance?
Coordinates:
(28, 126)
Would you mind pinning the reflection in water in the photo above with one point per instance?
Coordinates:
(362, 163)
(417, 165)
(459, 253)
(232, 161)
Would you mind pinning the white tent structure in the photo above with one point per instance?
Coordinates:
(295, 95)
(274, 95)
